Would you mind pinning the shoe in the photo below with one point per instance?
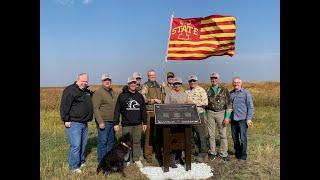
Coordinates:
(181, 161)
(226, 158)
(204, 157)
(212, 157)
(138, 164)
(127, 163)
(77, 171)
(198, 159)
(83, 165)
(173, 166)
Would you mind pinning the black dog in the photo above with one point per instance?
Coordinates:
(114, 161)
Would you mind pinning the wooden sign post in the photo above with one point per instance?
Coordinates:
(180, 117)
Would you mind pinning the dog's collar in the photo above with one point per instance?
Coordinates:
(125, 145)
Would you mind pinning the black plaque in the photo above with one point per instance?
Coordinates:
(176, 114)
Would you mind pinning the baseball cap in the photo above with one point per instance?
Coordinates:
(136, 75)
(193, 77)
(177, 80)
(131, 79)
(105, 76)
(214, 74)
(170, 74)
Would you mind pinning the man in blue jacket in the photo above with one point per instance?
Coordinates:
(241, 117)
(76, 110)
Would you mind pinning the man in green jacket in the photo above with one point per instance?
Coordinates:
(151, 91)
(104, 102)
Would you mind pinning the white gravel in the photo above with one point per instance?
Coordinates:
(198, 171)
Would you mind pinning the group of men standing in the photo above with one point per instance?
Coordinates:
(135, 103)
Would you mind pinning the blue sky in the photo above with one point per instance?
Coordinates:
(124, 36)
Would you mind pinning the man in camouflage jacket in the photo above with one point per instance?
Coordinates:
(219, 111)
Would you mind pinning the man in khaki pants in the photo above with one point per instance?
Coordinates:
(219, 111)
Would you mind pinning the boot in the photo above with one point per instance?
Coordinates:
(172, 160)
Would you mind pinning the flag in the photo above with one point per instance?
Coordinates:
(200, 38)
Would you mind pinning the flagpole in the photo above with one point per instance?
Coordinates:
(163, 64)
(169, 35)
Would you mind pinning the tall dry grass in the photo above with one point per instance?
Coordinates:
(263, 140)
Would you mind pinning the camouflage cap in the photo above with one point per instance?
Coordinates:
(193, 77)
(131, 79)
(105, 76)
(214, 74)
(177, 80)
(170, 74)
(136, 75)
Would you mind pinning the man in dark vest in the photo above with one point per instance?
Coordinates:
(151, 91)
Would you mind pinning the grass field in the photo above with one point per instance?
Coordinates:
(263, 140)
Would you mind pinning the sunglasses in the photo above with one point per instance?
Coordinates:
(177, 84)
(192, 80)
(133, 82)
(213, 78)
(138, 78)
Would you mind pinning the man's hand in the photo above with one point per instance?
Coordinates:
(249, 123)
(158, 101)
(67, 124)
(205, 121)
(116, 128)
(144, 128)
(101, 125)
(189, 101)
(226, 120)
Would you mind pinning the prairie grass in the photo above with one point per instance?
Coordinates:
(263, 140)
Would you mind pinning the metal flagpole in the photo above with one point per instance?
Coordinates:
(169, 35)
(162, 64)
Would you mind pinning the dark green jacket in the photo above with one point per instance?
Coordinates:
(151, 90)
(104, 102)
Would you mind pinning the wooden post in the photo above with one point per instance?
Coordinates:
(187, 131)
(148, 149)
(166, 148)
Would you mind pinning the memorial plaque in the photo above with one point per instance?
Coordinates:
(176, 114)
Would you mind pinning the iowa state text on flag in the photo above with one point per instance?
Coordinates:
(200, 38)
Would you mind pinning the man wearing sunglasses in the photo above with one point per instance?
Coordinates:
(130, 104)
(176, 96)
(138, 84)
(219, 111)
(198, 96)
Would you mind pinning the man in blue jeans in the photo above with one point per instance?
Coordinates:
(241, 117)
(76, 110)
(104, 101)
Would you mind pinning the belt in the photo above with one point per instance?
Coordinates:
(216, 110)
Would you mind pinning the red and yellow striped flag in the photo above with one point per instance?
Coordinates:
(200, 38)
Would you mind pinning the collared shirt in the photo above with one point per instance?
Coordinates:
(166, 88)
(199, 97)
(242, 104)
